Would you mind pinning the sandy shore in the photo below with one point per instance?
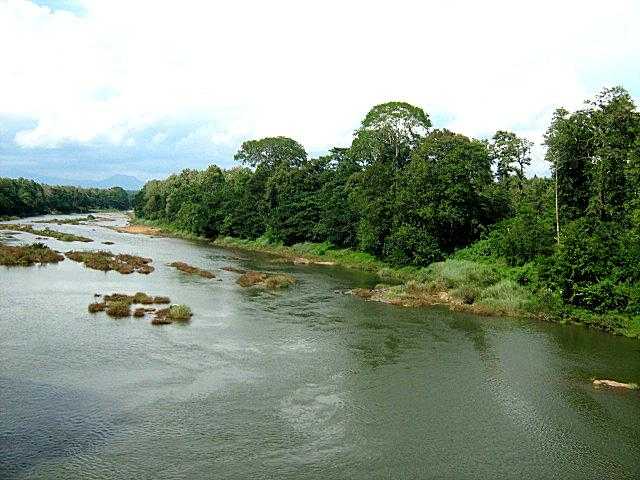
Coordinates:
(139, 229)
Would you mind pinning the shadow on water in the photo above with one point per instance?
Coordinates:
(48, 422)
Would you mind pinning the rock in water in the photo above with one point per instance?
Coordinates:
(614, 384)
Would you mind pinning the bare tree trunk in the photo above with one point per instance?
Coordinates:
(557, 212)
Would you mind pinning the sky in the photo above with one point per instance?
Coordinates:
(93, 88)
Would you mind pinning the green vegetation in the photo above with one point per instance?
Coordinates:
(46, 232)
(186, 268)
(22, 198)
(107, 261)
(97, 307)
(179, 312)
(453, 218)
(70, 221)
(118, 305)
(24, 255)
(118, 309)
(266, 280)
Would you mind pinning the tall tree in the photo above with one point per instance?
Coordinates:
(616, 127)
(383, 145)
(271, 151)
(570, 150)
(511, 155)
(441, 193)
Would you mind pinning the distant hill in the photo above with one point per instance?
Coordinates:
(127, 182)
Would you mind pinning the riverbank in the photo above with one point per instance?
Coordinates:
(487, 289)
(462, 285)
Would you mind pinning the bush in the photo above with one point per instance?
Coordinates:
(179, 312)
(595, 267)
(467, 294)
(507, 297)
(96, 307)
(409, 245)
(118, 309)
(456, 273)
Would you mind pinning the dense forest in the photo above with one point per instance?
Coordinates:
(411, 194)
(21, 197)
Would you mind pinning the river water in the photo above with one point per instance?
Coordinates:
(296, 384)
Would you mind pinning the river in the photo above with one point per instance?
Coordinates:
(295, 384)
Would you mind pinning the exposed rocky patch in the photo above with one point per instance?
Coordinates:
(265, 280)
(107, 261)
(614, 384)
(191, 270)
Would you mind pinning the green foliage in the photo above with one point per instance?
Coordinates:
(442, 188)
(403, 196)
(24, 255)
(596, 267)
(21, 197)
(271, 152)
(512, 155)
(179, 312)
(409, 245)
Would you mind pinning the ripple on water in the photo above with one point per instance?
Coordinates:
(47, 422)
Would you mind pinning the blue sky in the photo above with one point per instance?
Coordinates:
(92, 88)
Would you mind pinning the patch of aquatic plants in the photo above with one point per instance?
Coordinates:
(266, 280)
(24, 255)
(70, 221)
(46, 232)
(118, 309)
(174, 313)
(191, 270)
(106, 261)
(120, 305)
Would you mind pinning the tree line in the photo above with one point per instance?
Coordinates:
(412, 194)
(21, 197)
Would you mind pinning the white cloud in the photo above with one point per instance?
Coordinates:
(309, 70)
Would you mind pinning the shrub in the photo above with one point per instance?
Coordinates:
(118, 309)
(143, 298)
(409, 245)
(455, 273)
(179, 312)
(96, 307)
(467, 294)
(279, 281)
(507, 297)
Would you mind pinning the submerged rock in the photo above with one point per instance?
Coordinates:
(234, 270)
